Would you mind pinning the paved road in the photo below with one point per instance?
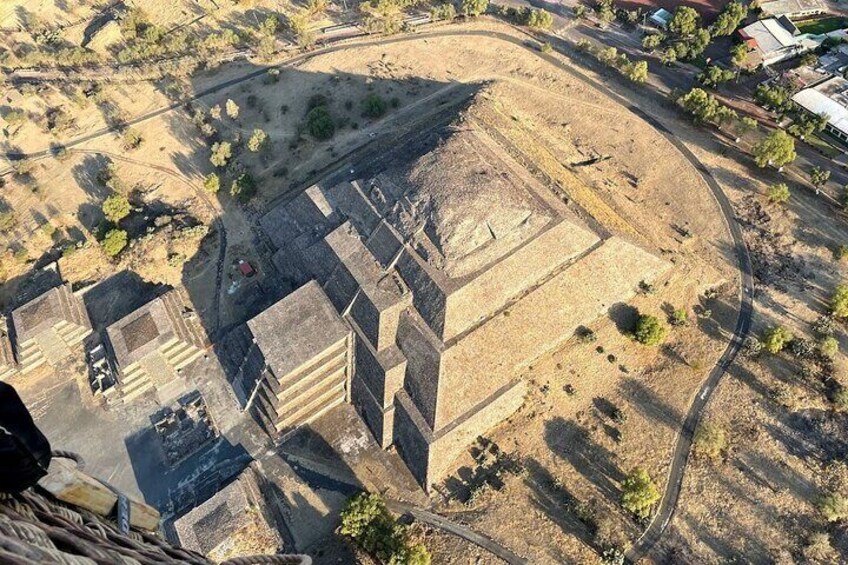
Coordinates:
(685, 436)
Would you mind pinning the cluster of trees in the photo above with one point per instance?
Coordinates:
(301, 21)
(366, 520)
(115, 208)
(637, 71)
(535, 18)
(705, 108)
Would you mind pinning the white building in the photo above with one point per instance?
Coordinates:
(792, 8)
(773, 40)
(660, 18)
(831, 98)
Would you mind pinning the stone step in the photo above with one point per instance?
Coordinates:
(317, 406)
(136, 389)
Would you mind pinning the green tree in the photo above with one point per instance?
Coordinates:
(257, 140)
(746, 125)
(243, 187)
(232, 109)
(474, 7)
(829, 347)
(839, 301)
(776, 339)
(374, 106)
(710, 440)
(833, 506)
(319, 123)
(270, 25)
(684, 22)
(636, 71)
(114, 242)
(221, 153)
(639, 493)
(738, 53)
(212, 183)
(700, 104)
(713, 76)
(778, 193)
(652, 41)
(774, 97)
(819, 177)
(649, 330)
(116, 207)
(777, 149)
(729, 19)
(540, 19)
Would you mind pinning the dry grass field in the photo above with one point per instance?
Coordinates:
(595, 410)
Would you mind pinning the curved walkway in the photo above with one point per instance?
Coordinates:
(685, 436)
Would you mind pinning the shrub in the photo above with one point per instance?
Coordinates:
(320, 124)
(840, 398)
(778, 193)
(365, 519)
(540, 19)
(649, 330)
(775, 339)
(833, 506)
(211, 183)
(374, 106)
(116, 207)
(639, 493)
(131, 139)
(679, 317)
(710, 441)
(8, 221)
(839, 301)
(114, 242)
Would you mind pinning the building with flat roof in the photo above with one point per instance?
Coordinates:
(298, 366)
(792, 8)
(660, 18)
(455, 270)
(154, 343)
(8, 366)
(236, 521)
(48, 327)
(830, 98)
(773, 40)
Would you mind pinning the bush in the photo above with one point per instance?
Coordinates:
(679, 317)
(365, 519)
(540, 19)
(114, 242)
(320, 124)
(833, 506)
(474, 7)
(374, 106)
(211, 183)
(775, 339)
(710, 441)
(116, 207)
(232, 109)
(639, 493)
(8, 221)
(649, 330)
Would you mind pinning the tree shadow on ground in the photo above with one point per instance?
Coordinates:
(649, 404)
(595, 463)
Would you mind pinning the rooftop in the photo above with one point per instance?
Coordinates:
(297, 328)
(769, 34)
(829, 97)
(790, 7)
(140, 333)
